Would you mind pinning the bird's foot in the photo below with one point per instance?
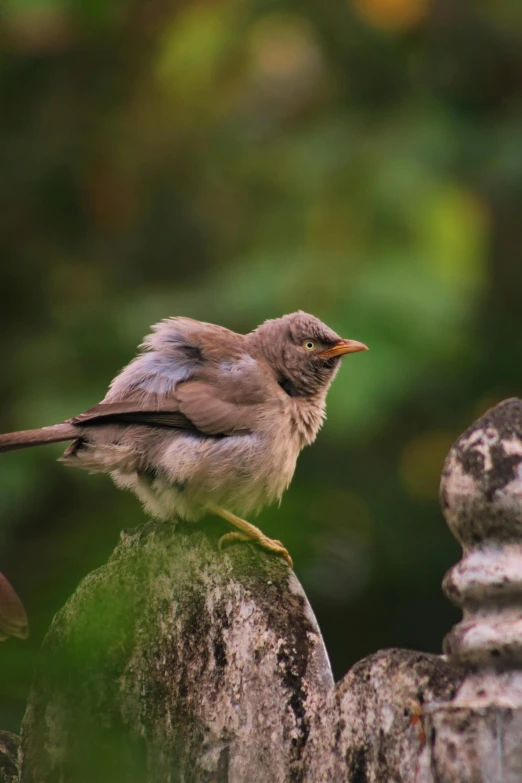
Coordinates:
(270, 544)
(234, 536)
(247, 532)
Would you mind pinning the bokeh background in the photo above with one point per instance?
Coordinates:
(233, 161)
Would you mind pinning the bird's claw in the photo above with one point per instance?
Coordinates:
(285, 554)
(270, 544)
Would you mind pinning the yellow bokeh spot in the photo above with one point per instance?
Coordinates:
(392, 14)
(192, 49)
(454, 225)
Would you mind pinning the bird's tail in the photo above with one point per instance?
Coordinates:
(13, 619)
(26, 438)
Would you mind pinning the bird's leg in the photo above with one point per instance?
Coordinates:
(235, 535)
(248, 532)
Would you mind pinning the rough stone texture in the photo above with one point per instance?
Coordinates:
(370, 728)
(481, 485)
(471, 745)
(481, 490)
(9, 757)
(177, 662)
(477, 736)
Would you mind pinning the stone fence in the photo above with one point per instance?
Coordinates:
(175, 662)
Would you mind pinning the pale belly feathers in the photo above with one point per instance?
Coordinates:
(241, 473)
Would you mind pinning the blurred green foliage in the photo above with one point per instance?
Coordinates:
(358, 159)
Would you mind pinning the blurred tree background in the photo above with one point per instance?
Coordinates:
(234, 161)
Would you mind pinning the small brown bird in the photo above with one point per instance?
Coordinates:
(207, 420)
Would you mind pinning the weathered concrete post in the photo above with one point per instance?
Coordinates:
(478, 735)
(177, 662)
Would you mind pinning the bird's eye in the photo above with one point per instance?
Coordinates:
(309, 345)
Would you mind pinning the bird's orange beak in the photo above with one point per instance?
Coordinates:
(341, 348)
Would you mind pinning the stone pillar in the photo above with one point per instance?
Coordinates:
(478, 735)
(176, 662)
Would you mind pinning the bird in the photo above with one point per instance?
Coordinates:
(206, 420)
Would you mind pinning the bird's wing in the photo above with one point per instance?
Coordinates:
(191, 376)
(218, 409)
(210, 408)
(177, 350)
(132, 412)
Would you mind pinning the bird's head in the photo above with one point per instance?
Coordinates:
(303, 352)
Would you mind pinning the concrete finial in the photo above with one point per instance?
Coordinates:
(475, 736)
(481, 495)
